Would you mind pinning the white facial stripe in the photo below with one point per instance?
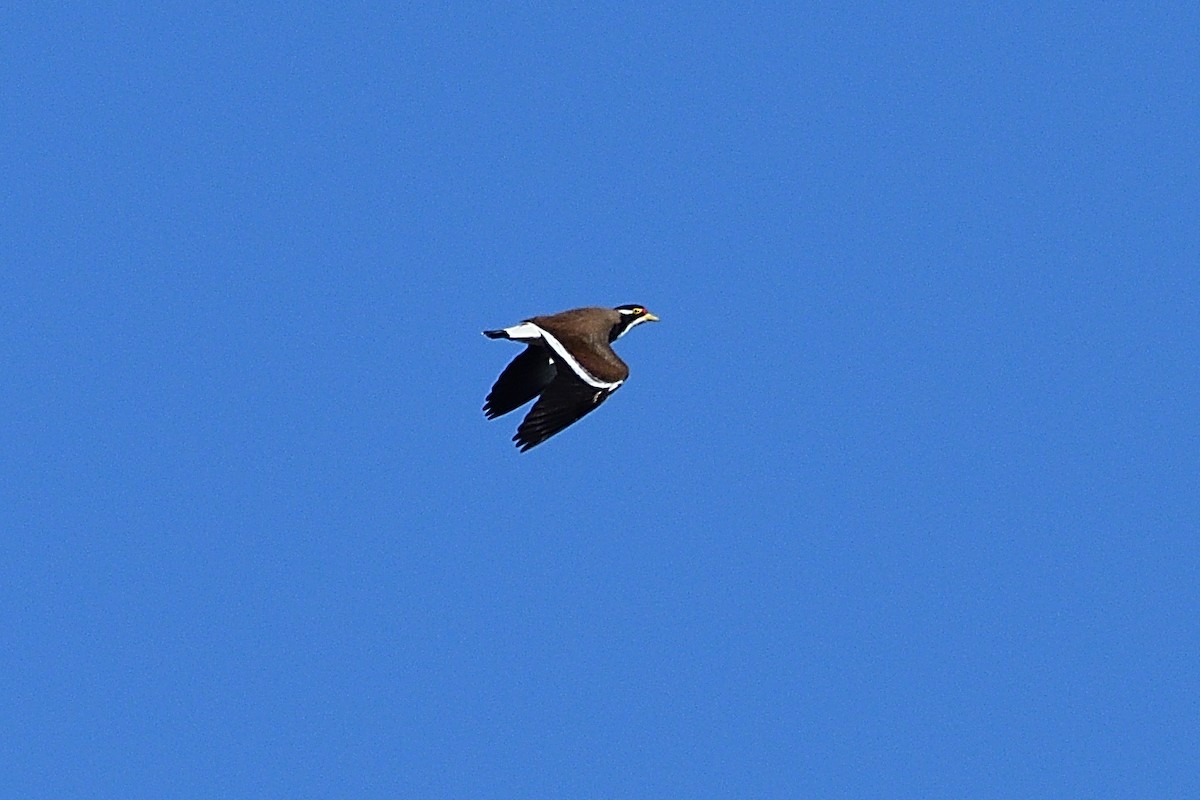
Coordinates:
(576, 367)
(633, 325)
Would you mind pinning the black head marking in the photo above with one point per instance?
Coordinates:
(629, 315)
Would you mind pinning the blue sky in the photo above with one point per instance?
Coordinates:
(900, 499)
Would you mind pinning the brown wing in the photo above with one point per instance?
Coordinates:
(566, 400)
(584, 333)
(522, 380)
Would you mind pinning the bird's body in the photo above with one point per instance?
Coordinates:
(568, 363)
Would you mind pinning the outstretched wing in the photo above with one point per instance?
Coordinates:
(566, 400)
(522, 380)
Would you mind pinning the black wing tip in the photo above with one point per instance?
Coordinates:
(528, 436)
(496, 407)
(545, 421)
(495, 334)
(524, 444)
(492, 412)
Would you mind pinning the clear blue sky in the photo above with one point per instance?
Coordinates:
(900, 500)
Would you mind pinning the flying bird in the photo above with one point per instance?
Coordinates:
(568, 364)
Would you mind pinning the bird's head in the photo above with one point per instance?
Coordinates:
(629, 316)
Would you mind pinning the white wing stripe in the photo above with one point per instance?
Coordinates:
(576, 367)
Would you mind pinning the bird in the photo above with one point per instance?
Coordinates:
(568, 364)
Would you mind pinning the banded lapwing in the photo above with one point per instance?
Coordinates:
(568, 364)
